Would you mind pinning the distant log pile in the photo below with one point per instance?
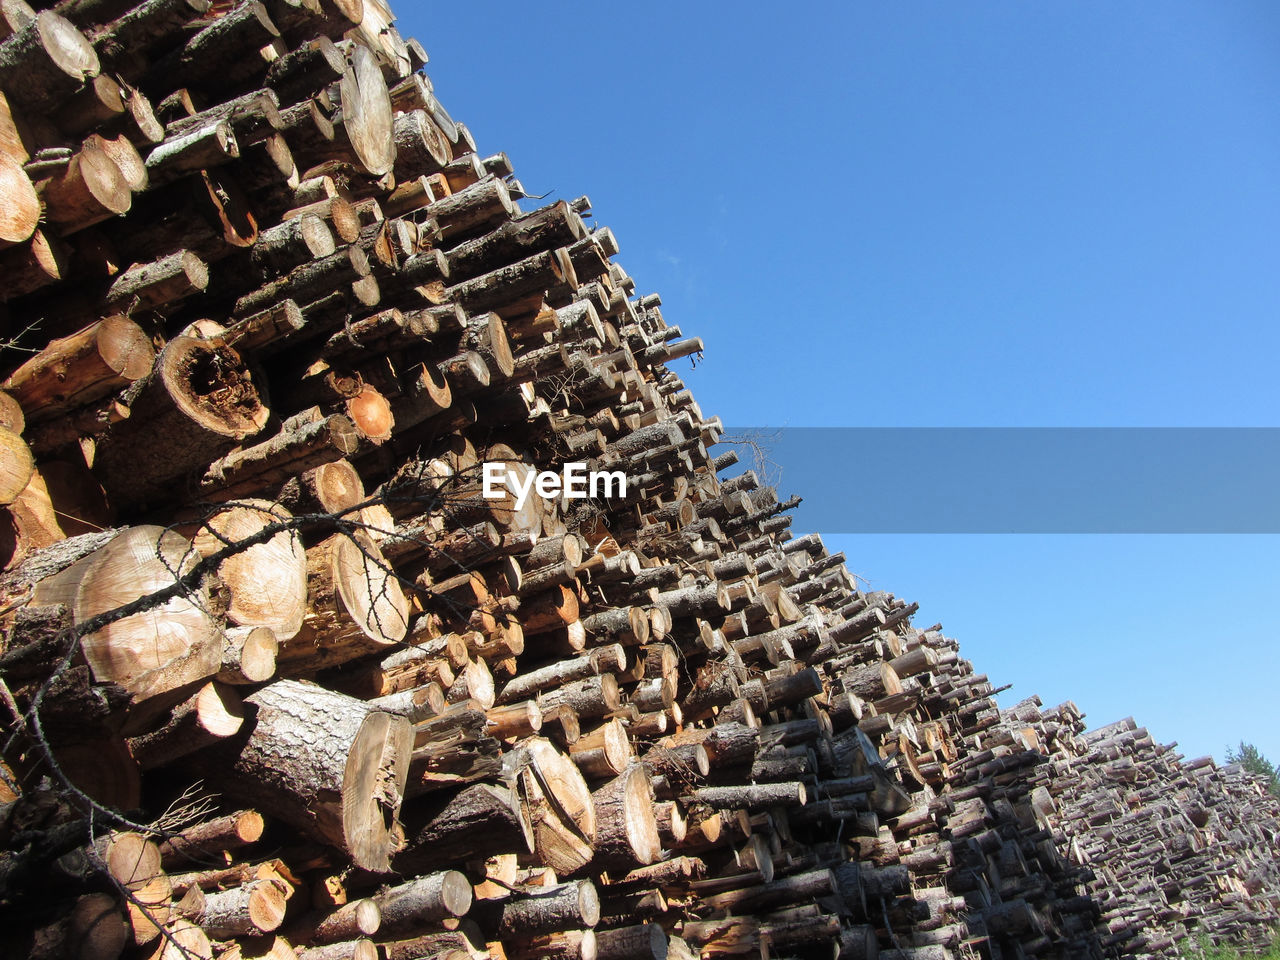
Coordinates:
(1177, 848)
(279, 681)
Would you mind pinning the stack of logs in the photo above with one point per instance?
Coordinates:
(281, 681)
(1177, 849)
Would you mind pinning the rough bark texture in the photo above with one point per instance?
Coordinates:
(326, 764)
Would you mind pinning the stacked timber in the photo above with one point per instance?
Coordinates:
(1178, 849)
(281, 681)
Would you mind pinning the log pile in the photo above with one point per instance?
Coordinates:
(281, 681)
(1177, 848)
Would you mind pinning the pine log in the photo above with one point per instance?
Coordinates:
(626, 828)
(84, 367)
(325, 763)
(16, 466)
(306, 442)
(305, 69)
(607, 659)
(420, 147)
(248, 910)
(482, 205)
(357, 606)
(480, 821)
(266, 576)
(208, 839)
(545, 229)
(197, 403)
(423, 901)
(505, 285)
(20, 212)
(203, 719)
(169, 644)
(231, 41)
(560, 945)
(144, 25)
(567, 906)
(560, 807)
(148, 286)
(754, 797)
(462, 944)
(308, 282)
(645, 941)
(589, 698)
(292, 243)
(41, 261)
(350, 922)
(603, 753)
(248, 656)
(91, 189)
(45, 62)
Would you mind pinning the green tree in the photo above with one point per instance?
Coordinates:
(1247, 755)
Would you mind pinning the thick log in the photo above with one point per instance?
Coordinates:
(308, 282)
(20, 213)
(755, 797)
(590, 697)
(363, 125)
(560, 806)
(84, 367)
(626, 828)
(143, 26)
(306, 442)
(292, 243)
(198, 401)
(186, 153)
(231, 41)
(461, 944)
(16, 466)
(420, 147)
(306, 69)
(480, 821)
(170, 643)
(560, 945)
(601, 660)
(357, 605)
(603, 753)
(91, 188)
(148, 286)
(349, 923)
(252, 118)
(546, 229)
(645, 941)
(41, 261)
(357, 949)
(45, 62)
(482, 205)
(248, 910)
(325, 763)
(505, 285)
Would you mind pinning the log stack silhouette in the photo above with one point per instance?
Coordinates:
(280, 681)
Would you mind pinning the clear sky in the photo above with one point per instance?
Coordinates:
(942, 214)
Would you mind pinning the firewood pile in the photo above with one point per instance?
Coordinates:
(281, 681)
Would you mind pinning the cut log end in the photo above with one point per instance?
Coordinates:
(209, 384)
(20, 211)
(373, 788)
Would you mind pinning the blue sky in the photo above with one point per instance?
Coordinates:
(941, 214)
